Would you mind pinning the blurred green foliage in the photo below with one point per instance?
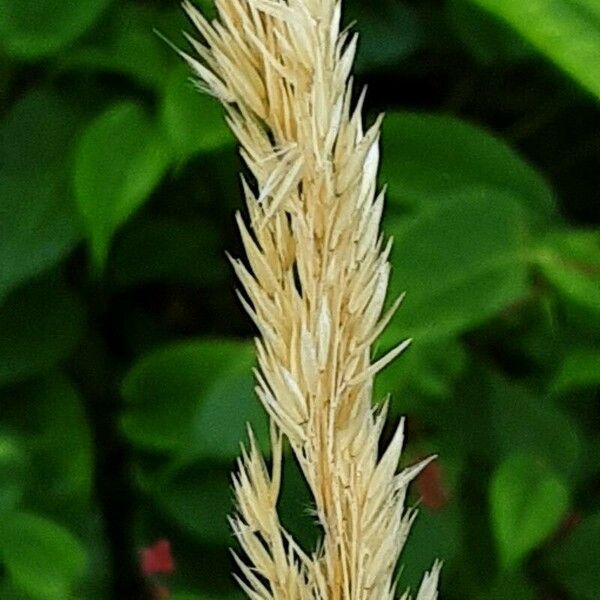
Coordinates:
(125, 358)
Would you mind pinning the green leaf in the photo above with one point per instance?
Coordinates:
(125, 45)
(13, 466)
(428, 369)
(489, 40)
(389, 31)
(511, 586)
(120, 159)
(8, 591)
(31, 30)
(219, 423)
(159, 251)
(57, 437)
(199, 501)
(193, 399)
(580, 369)
(567, 32)
(38, 219)
(460, 263)
(576, 562)
(39, 327)
(193, 121)
(428, 158)
(535, 425)
(42, 558)
(528, 502)
(435, 534)
(570, 262)
(499, 417)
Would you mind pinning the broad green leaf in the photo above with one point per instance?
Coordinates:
(160, 251)
(42, 558)
(499, 417)
(570, 261)
(531, 334)
(31, 30)
(125, 45)
(567, 32)
(489, 40)
(199, 501)
(13, 467)
(535, 425)
(193, 399)
(120, 159)
(193, 121)
(219, 423)
(40, 324)
(435, 534)
(389, 31)
(8, 591)
(528, 501)
(38, 219)
(511, 586)
(460, 262)
(428, 158)
(56, 434)
(427, 369)
(580, 369)
(442, 365)
(198, 498)
(576, 561)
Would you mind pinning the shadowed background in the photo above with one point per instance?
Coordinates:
(125, 358)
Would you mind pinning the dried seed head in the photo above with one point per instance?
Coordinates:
(315, 287)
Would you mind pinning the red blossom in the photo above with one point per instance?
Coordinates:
(157, 559)
(430, 487)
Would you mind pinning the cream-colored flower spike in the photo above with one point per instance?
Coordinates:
(315, 286)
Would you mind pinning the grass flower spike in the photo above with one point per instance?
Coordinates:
(315, 280)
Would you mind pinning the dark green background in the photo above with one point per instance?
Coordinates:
(125, 358)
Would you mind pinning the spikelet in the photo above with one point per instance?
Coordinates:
(314, 284)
